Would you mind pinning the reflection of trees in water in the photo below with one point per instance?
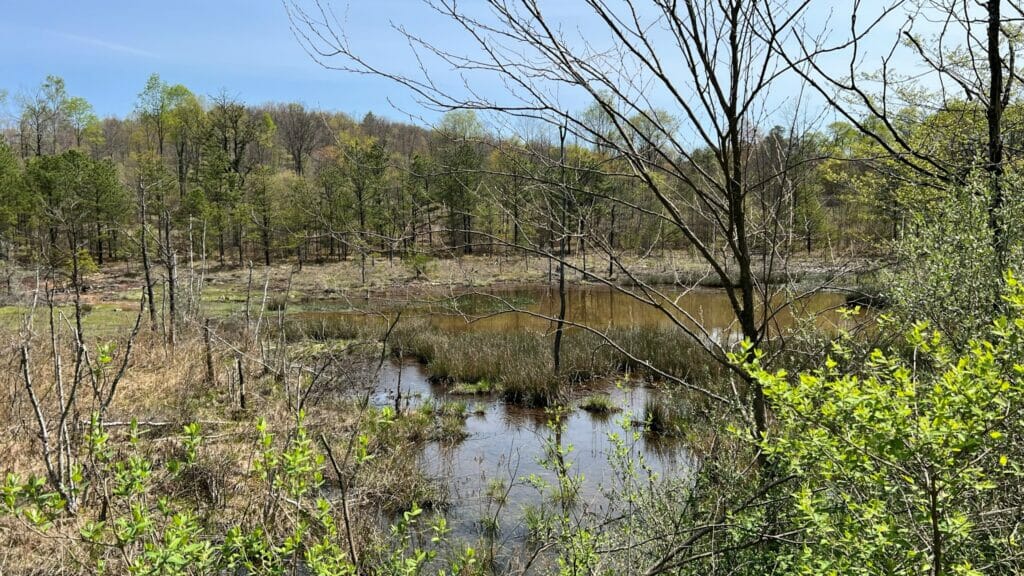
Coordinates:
(667, 449)
(506, 444)
(525, 418)
(598, 307)
(601, 307)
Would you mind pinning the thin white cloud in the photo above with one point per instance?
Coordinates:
(99, 43)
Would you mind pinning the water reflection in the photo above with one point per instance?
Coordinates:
(506, 445)
(705, 311)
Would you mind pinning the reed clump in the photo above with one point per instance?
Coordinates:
(519, 365)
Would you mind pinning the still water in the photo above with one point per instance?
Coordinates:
(507, 445)
(705, 311)
(491, 475)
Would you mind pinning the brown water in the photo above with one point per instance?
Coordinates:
(705, 311)
(602, 307)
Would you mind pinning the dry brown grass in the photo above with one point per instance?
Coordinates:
(163, 389)
(342, 280)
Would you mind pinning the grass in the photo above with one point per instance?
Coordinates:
(665, 418)
(599, 404)
(538, 523)
(455, 409)
(277, 302)
(443, 422)
(664, 349)
(497, 490)
(531, 384)
(101, 319)
(483, 387)
(394, 480)
(325, 326)
(446, 421)
(519, 364)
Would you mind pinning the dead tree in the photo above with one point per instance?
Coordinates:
(713, 62)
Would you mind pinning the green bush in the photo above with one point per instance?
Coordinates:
(912, 464)
(949, 274)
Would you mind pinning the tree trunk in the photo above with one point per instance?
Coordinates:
(611, 244)
(144, 246)
(99, 244)
(994, 167)
(211, 376)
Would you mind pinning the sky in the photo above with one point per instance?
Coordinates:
(106, 49)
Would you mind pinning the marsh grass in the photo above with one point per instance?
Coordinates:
(667, 350)
(667, 417)
(450, 428)
(533, 386)
(277, 303)
(519, 365)
(480, 388)
(457, 409)
(415, 339)
(322, 327)
(497, 490)
(394, 481)
(538, 522)
(599, 404)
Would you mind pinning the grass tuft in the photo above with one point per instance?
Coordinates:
(599, 404)
(480, 388)
(663, 418)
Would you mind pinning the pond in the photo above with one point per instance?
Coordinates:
(506, 446)
(492, 475)
(532, 308)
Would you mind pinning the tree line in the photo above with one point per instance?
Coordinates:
(235, 182)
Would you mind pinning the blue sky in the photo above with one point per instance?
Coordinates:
(105, 50)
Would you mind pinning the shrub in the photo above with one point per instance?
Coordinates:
(949, 273)
(909, 464)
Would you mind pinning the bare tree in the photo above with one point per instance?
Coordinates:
(299, 130)
(42, 116)
(713, 64)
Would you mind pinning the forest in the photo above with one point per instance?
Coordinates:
(753, 308)
(284, 182)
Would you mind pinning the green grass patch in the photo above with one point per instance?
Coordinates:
(480, 388)
(599, 404)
